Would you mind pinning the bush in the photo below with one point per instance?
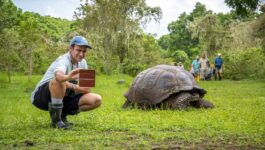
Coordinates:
(249, 63)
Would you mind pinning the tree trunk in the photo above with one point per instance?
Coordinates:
(107, 54)
(9, 72)
(30, 65)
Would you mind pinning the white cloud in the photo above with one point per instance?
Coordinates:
(50, 11)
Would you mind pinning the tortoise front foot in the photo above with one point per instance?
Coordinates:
(202, 103)
(127, 104)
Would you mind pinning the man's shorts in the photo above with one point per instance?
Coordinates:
(218, 69)
(42, 99)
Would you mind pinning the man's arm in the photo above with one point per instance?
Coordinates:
(77, 88)
(61, 77)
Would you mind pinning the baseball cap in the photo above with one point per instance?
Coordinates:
(79, 40)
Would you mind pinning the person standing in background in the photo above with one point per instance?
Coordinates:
(203, 67)
(218, 62)
(196, 68)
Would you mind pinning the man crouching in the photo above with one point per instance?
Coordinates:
(58, 92)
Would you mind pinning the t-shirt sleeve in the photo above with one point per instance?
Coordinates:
(60, 65)
(84, 64)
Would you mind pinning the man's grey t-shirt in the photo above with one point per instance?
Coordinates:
(62, 63)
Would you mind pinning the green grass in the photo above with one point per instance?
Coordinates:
(237, 121)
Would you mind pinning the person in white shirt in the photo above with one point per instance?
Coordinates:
(58, 93)
(203, 67)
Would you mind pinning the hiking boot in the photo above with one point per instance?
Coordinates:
(64, 119)
(55, 114)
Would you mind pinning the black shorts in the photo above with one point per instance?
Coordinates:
(42, 98)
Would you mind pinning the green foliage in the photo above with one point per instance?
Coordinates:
(204, 32)
(210, 31)
(259, 29)
(95, 61)
(179, 56)
(144, 53)
(115, 26)
(180, 37)
(248, 63)
(199, 11)
(54, 28)
(237, 121)
(119, 44)
(10, 60)
(9, 14)
(243, 8)
(27, 37)
(164, 41)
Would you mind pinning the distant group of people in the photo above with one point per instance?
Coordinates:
(202, 69)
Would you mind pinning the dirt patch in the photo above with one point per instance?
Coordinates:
(28, 143)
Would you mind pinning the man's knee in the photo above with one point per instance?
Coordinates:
(98, 100)
(55, 84)
(90, 101)
(57, 89)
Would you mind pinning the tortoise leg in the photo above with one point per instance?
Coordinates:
(127, 104)
(202, 103)
(179, 101)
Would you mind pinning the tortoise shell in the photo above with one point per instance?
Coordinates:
(156, 84)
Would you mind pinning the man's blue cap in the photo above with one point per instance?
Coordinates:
(79, 40)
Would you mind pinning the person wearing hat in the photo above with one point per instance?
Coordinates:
(58, 93)
(218, 62)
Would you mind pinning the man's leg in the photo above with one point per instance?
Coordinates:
(220, 73)
(89, 101)
(216, 73)
(57, 90)
(203, 74)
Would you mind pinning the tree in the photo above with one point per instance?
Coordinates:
(259, 27)
(113, 24)
(146, 53)
(9, 14)
(244, 8)
(209, 31)
(29, 31)
(179, 56)
(180, 37)
(10, 60)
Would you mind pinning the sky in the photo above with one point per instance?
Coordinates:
(171, 10)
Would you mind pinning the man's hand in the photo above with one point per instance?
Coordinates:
(61, 77)
(79, 89)
(74, 74)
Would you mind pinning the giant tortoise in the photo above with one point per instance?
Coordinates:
(166, 87)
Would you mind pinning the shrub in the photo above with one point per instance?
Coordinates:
(248, 63)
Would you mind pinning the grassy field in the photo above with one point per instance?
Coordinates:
(237, 121)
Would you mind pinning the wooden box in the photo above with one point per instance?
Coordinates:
(87, 78)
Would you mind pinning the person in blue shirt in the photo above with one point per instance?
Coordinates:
(218, 62)
(196, 68)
